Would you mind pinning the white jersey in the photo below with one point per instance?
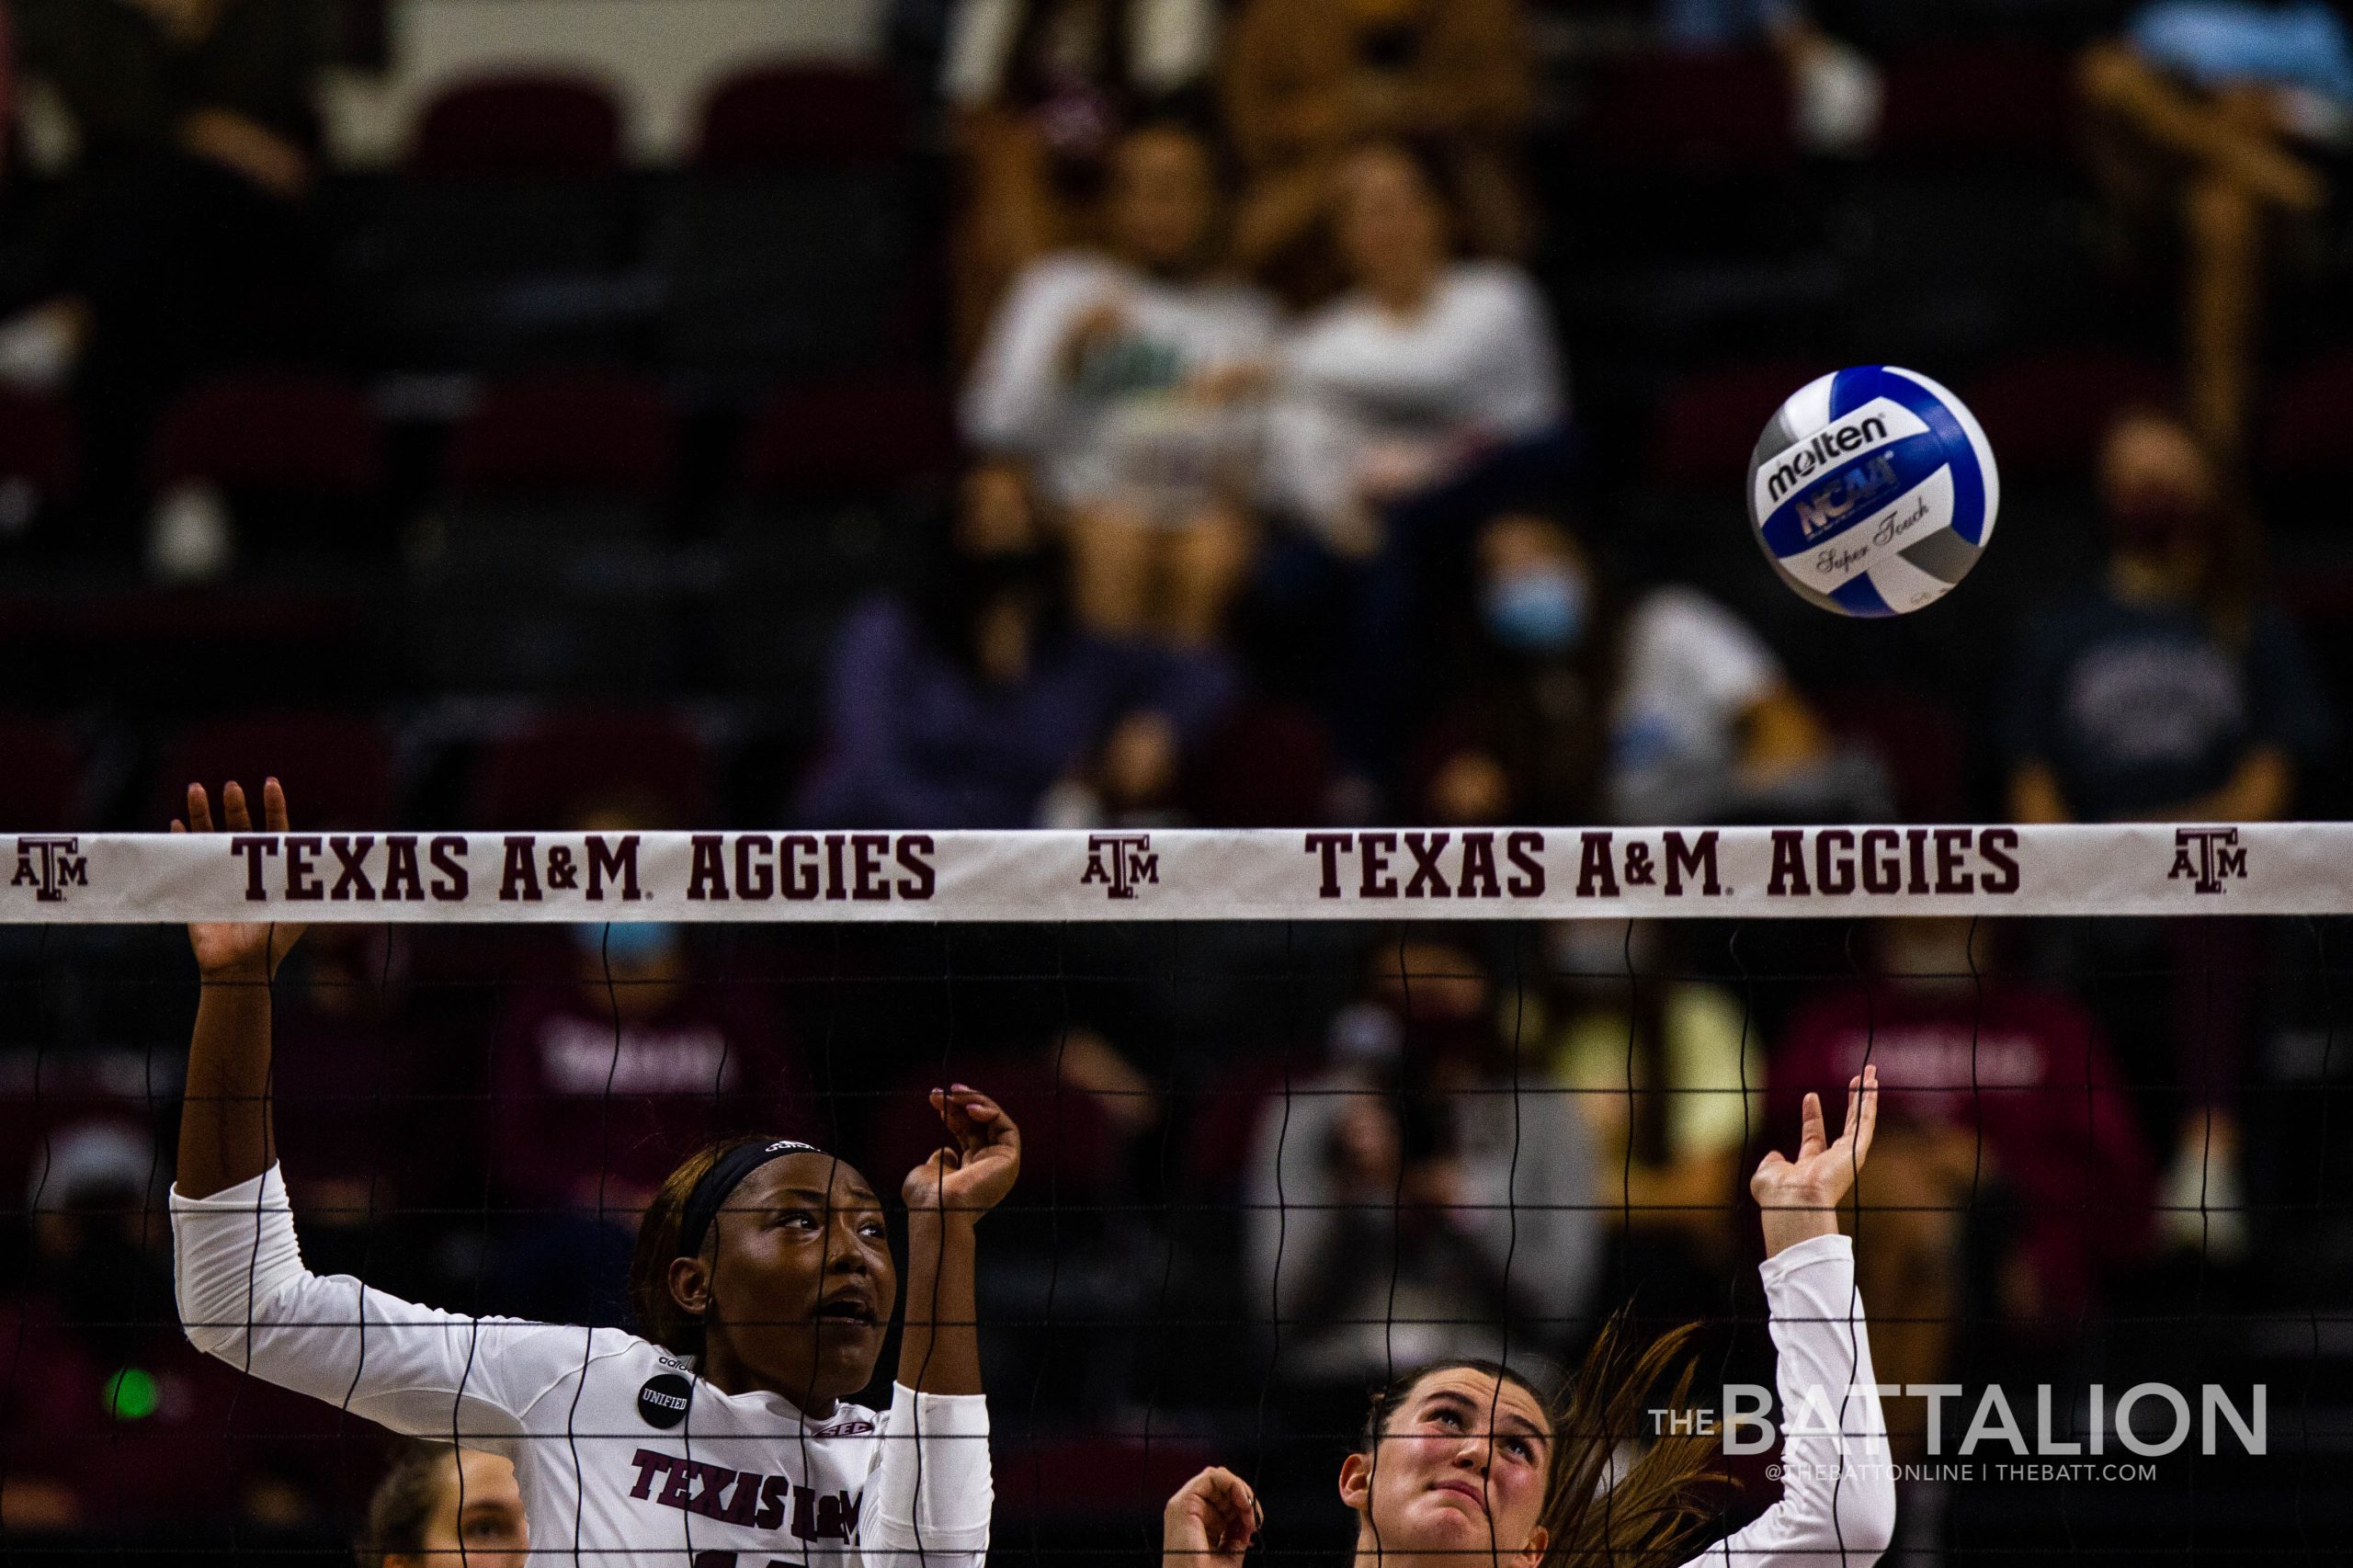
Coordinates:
(625, 1456)
(1838, 1503)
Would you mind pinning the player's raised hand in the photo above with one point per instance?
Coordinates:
(238, 950)
(1800, 1198)
(1209, 1523)
(973, 1172)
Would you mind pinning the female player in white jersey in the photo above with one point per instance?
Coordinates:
(1464, 1464)
(765, 1278)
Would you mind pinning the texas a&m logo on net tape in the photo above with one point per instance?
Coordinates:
(2206, 856)
(1121, 863)
(49, 863)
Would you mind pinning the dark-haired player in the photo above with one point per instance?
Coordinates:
(765, 1279)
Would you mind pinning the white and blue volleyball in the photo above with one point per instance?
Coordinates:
(1873, 491)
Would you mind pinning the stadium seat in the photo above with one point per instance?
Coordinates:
(336, 765)
(1707, 427)
(542, 568)
(800, 271)
(1270, 764)
(784, 116)
(519, 125)
(834, 485)
(1978, 98)
(268, 430)
(2310, 431)
(2045, 410)
(861, 433)
(572, 432)
(1728, 110)
(648, 762)
(41, 777)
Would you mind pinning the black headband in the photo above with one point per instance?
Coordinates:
(726, 1173)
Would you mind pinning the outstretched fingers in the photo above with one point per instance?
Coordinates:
(1863, 1115)
(1813, 1138)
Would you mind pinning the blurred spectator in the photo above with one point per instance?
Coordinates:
(2174, 691)
(2205, 115)
(1669, 1075)
(1585, 707)
(1426, 1193)
(1040, 90)
(1307, 79)
(973, 703)
(607, 1072)
(1133, 378)
(183, 241)
(1836, 90)
(1408, 409)
(2005, 1131)
(440, 1504)
(112, 1420)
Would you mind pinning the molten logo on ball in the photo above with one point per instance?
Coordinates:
(1873, 491)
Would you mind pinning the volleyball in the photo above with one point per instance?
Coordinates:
(1873, 491)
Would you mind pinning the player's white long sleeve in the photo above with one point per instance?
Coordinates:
(1838, 1507)
(246, 1299)
(933, 1490)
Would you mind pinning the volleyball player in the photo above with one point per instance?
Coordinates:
(1465, 1464)
(764, 1281)
(442, 1507)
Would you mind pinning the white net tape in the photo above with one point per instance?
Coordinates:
(1180, 874)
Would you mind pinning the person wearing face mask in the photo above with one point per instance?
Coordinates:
(2171, 690)
(1134, 377)
(1586, 707)
(967, 704)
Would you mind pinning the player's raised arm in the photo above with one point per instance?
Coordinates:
(225, 1133)
(946, 1196)
(1838, 1507)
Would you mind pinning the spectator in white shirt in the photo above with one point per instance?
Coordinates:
(1428, 366)
(1417, 404)
(1133, 378)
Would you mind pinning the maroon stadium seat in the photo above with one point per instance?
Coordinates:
(566, 431)
(1998, 96)
(772, 117)
(646, 761)
(520, 124)
(2045, 411)
(1708, 425)
(1725, 110)
(873, 432)
(272, 430)
(336, 766)
(1267, 766)
(2310, 431)
(41, 777)
(36, 442)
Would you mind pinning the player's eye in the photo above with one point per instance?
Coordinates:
(1520, 1449)
(874, 1228)
(794, 1219)
(1446, 1414)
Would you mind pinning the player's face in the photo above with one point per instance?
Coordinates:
(478, 1520)
(801, 1284)
(1460, 1471)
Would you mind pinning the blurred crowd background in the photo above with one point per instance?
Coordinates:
(1230, 413)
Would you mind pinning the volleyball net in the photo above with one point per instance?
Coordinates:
(1300, 1110)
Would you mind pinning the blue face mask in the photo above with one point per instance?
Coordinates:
(1539, 609)
(627, 942)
